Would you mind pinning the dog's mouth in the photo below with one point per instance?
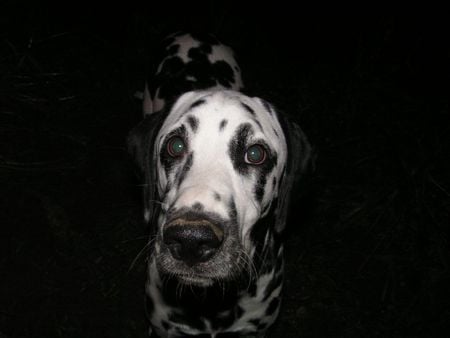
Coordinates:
(200, 274)
(194, 280)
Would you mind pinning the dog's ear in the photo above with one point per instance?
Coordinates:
(141, 146)
(141, 140)
(300, 161)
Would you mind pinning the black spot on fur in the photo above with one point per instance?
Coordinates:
(225, 74)
(168, 187)
(266, 208)
(258, 124)
(252, 289)
(255, 322)
(200, 51)
(165, 325)
(238, 146)
(262, 326)
(239, 312)
(275, 132)
(259, 189)
(274, 183)
(175, 78)
(276, 281)
(264, 170)
(173, 49)
(232, 211)
(248, 108)
(217, 197)
(193, 122)
(273, 306)
(197, 103)
(186, 167)
(222, 124)
(197, 206)
(268, 106)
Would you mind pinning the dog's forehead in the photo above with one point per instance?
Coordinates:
(221, 113)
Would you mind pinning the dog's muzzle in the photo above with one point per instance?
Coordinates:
(192, 241)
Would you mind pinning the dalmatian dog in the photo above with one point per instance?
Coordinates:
(218, 168)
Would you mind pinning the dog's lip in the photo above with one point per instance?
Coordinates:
(195, 279)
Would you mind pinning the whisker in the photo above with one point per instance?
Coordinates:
(248, 266)
(140, 254)
(159, 202)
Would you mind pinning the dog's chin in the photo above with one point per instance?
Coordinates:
(174, 270)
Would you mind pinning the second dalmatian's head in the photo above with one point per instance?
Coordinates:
(218, 167)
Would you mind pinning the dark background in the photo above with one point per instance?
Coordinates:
(368, 242)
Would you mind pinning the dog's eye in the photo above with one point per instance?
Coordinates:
(176, 146)
(256, 154)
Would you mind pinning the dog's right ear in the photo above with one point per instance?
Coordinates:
(141, 146)
(141, 140)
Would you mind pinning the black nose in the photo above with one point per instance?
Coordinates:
(192, 241)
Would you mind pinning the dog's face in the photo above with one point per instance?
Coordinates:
(215, 165)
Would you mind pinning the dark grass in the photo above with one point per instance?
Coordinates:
(368, 240)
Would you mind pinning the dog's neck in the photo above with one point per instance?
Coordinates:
(202, 301)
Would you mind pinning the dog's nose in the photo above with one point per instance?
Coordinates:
(192, 241)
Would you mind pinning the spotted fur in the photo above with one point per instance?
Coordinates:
(190, 62)
(216, 259)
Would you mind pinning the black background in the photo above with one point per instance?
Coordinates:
(367, 244)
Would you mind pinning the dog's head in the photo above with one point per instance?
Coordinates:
(214, 165)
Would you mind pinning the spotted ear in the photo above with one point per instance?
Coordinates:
(300, 160)
(141, 146)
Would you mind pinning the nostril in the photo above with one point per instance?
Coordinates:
(175, 249)
(207, 251)
(191, 243)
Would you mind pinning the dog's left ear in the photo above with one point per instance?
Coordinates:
(300, 161)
